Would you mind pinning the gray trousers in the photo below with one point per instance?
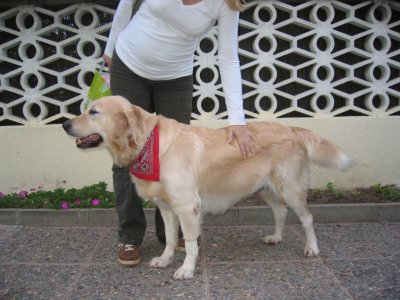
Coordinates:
(170, 98)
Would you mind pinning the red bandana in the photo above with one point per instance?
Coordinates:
(146, 165)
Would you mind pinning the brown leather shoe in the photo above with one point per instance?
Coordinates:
(128, 255)
(181, 244)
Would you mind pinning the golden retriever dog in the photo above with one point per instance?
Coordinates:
(201, 173)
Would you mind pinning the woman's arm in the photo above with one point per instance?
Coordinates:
(121, 19)
(229, 66)
(231, 78)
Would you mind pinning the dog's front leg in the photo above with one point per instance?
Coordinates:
(186, 271)
(171, 235)
(190, 224)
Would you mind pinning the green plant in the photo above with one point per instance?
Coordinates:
(95, 195)
(92, 196)
(332, 189)
(355, 193)
(390, 192)
(318, 192)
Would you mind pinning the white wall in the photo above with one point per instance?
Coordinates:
(43, 155)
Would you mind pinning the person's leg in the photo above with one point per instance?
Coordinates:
(172, 99)
(127, 84)
(131, 219)
(160, 229)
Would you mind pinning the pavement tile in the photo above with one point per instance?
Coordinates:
(142, 282)
(7, 230)
(368, 278)
(395, 229)
(358, 261)
(396, 261)
(246, 244)
(36, 281)
(358, 240)
(280, 280)
(49, 245)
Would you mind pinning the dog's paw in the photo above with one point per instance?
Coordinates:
(159, 262)
(272, 239)
(311, 251)
(183, 273)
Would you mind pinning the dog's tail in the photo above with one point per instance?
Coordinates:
(321, 150)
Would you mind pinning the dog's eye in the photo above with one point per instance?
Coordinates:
(92, 111)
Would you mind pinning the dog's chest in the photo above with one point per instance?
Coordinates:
(150, 190)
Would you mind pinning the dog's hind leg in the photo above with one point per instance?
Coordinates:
(279, 210)
(171, 234)
(190, 219)
(297, 200)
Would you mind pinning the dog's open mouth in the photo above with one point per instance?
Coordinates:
(89, 141)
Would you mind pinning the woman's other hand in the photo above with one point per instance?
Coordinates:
(108, 61)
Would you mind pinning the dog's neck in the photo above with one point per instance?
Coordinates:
(139, 131)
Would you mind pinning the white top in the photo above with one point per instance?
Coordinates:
(159, 42)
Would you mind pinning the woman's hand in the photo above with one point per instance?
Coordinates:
(108, 61)
(246, 139)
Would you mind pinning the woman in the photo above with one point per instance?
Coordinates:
(150, 57)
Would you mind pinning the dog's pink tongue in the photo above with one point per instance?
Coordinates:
(89, 141)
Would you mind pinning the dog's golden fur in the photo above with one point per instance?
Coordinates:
(201, 173)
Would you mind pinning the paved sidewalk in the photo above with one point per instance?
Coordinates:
(357, 261)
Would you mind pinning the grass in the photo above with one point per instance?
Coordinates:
(97, 196)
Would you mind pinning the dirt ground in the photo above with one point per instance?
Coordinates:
(384, 194)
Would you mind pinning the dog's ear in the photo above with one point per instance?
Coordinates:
(121, 125)
(119, 144)
(136, 129)
(141, 123)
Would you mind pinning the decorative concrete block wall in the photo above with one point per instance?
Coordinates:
(331, 66)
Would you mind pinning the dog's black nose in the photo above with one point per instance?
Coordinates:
(67, 125)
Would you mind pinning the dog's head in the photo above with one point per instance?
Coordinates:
(112, 122)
